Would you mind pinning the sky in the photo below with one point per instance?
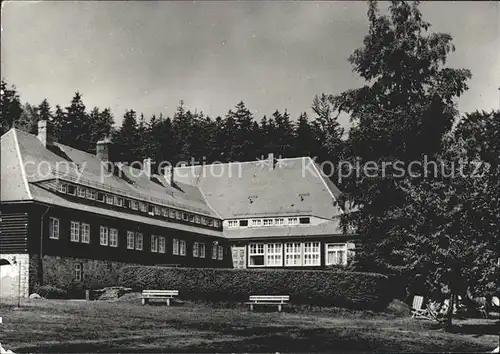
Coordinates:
(149, 55)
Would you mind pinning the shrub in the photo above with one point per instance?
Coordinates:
(51, 292)
(315, 287)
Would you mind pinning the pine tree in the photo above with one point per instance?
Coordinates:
(76, 127)
(126, 138)
(305, 143)
(10, 107)
(28, 119)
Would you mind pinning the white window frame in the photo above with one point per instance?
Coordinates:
(85, 233)
(54, 228)
(130, 240)
(214, 251)
(171, 213)
(143, 207)
(178, 215)
(164, 212)
(118, 201)
(154, 243)
(113, 237)
(110, 199)
(268, 222)
(203, 220)
(210, 222)
(63, 187)
(175, 246)
(197, 219)
(78, 272)
(256, 222)
(201, 250)
(256, 250)
(195, 249)
(293, 221)
(161, 244)
(157, 210)
(80, 191)
(311, 254)
(74, 231)
(295, 250)
(233, 223)
(134, 204)
(182, 248)
(274, 255)
(216, 223)
(336, 248)
(279, 221)
(139, 241)
(104, 236)
(74, 189)
(220, 253)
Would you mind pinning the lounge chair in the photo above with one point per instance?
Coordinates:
(418, 311)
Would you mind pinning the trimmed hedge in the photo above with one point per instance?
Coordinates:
(315, 287)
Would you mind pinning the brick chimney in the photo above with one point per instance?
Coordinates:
(169, 175)
(102, 149)
(146, 167)
(271, 161)
(45, 133)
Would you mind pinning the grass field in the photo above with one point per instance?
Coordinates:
(79, 326)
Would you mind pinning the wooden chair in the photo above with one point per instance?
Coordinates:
(418, 311)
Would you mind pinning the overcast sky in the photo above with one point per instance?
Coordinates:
(272, 55)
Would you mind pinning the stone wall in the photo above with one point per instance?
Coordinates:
(11, 285)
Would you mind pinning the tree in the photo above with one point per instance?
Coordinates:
(243, 142)
(28, 120)
(408, 99)
(101, 123)
(74, 127)
(10, 106)
(126, 138)
(305, 140)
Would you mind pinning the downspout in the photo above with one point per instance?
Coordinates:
(40, 264)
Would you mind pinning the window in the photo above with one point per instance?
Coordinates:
(279, 221)
(78, 272)
(336, 253)
(164, 212)
(268, 222)
(274, 255)
(113, 237)
(154, 243)
(119, 201)
(217, 223)
(201, 250)
(293, 254)
(214, 251)
(104, 234)
(171, 214)
(109, 199)
(178, 215)
(63, 187)
(197, 219)
(130, 240)
(305, 220)
(195, 249)
(134, 205)
(143, 207)
(85, 233)
(54, 228)
(311, 254)
(81, 192)
(221, 253)
(203, 220)
(157, 210)
(183, 247)
(75, 231)
(210, 222)
(71, 189)
(256, 254)
(257, 222)
(101, 197)
(161, 244)
(184, 216)
(233, 223)
(293, 221)
(175, 246)
(243, 222)
(191, 218)
(138, 241)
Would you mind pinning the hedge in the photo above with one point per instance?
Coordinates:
(314, 287)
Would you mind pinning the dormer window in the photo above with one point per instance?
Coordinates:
(243, 223)
(143, 207)
(233, 223)
(217, 223)
(268, 222)
(171, 214)
(71, 189)
(210, 222)
(81, 192)
(178, 215)
(134, 205)
(101, 197)
(256, 222)
(197, 219)
(191, 218)
(157, 210)
(109, 199)
(293, 221)
(90, 194)
(305, 220)
(203, 220)
(63, 187)
(119, 201)
(184, 216)
(279, 221)
(164, 212)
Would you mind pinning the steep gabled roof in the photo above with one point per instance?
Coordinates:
(294, 186)
(39, 161)
(14, 185)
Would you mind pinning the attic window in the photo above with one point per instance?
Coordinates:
(101, 196)
(305, 220)
(178, 215)
(203, 220)
(256, 222)
(232, 223)
(71, 189)
(171, 214)
(184, 216)
(143, 207)
(293, 221)
(63, 187)
(164, 212)
(210, 222)
(157, 210)
(243, 222)
(81, 192)
(217, 223)
(119, 201)
(134, 205)
(109, 199)
(268, 222)
(197, 219)
(191, 217)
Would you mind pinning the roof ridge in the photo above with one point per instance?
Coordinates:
(241, 162)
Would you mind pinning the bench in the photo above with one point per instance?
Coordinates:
(158, 295)
(274, 300)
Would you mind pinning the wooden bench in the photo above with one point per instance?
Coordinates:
(274, 300)
(158, 295)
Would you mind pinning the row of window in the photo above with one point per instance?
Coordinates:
(80, 232)
(295, 254)
(268, 222)
(132, 204)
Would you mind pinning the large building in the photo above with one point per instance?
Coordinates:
(277, 213)
(71, 219)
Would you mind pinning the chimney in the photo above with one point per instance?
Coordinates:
(271, 161)
(102, 149)
(169, 175)
(146, 167)
(45, 133)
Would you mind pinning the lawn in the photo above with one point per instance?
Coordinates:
(79, 326)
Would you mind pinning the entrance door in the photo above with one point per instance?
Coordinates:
(239, 257)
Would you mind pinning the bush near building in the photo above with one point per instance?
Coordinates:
(316, 287)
